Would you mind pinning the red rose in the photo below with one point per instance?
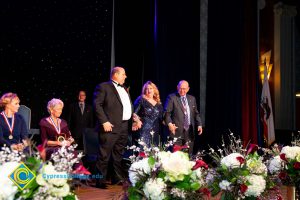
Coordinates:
(240, 159)
(81, 170)
(282, 175)
(282, 156)
(142, 154)
(297, 165)
(243, 188)
(179, 148)
(200, 163)
(205, 191)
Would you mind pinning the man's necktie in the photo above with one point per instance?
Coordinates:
(186, 122)
(81, 107)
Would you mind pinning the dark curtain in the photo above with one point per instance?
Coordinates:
(158, 41)
(250, 78)
(171, 53)
(224, 83)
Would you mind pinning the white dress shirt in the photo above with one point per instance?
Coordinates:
(127, 111)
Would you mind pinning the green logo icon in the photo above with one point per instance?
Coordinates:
(22, 176)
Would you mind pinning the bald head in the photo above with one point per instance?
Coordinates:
(183, 87)
(118, 74)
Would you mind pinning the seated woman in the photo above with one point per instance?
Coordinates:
(148, 111)
(13, 129)
(54, 131)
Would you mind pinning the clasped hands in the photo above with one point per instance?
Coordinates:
(20, 146)
(137, 123)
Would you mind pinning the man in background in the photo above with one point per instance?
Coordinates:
(80, 117)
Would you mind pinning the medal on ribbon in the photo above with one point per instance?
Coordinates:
(10, 127)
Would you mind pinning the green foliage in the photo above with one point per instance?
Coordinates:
(151, 161)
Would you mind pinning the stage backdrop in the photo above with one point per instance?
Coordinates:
(52, 49)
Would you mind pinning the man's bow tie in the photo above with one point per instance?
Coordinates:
(120, 85)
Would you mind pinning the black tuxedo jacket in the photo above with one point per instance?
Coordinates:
(108, 106)
(78, 121)
(174, 112)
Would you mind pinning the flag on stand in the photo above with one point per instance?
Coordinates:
(266, 110)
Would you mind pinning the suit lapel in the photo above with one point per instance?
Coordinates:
(115, 91)
(180, 103)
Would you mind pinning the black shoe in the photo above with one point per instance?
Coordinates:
(101, 185)
(120, 182)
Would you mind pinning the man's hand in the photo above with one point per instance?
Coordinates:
(200, 130)
(107, 126)
(172, 128)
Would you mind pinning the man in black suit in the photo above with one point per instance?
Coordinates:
(182, 116)
(80, 117)
(113, 111)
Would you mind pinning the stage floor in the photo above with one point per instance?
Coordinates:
(115, 192)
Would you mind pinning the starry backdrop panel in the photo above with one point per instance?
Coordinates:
(52, 49)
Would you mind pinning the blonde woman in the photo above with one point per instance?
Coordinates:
(149, 110)
(13, 129)
(55, 131)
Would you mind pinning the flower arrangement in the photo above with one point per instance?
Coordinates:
(284, 163)
(239, 173)
(44, 186)
(156, 173)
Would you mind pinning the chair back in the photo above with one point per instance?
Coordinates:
(25, 112)
(91, 143)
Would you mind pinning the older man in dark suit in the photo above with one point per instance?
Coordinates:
(182, 116)
(113, 111)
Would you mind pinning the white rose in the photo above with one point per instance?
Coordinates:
(8, 188)
(51, 176)
(59, 191)
(177, 165)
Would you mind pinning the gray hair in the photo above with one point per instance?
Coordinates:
(53, 102)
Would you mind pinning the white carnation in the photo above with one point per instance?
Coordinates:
(138, 169)
(225, 185)
(155, 189)
(256, 187)
(231, 160)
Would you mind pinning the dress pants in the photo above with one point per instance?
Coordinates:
(187, 138)
(112, 145)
